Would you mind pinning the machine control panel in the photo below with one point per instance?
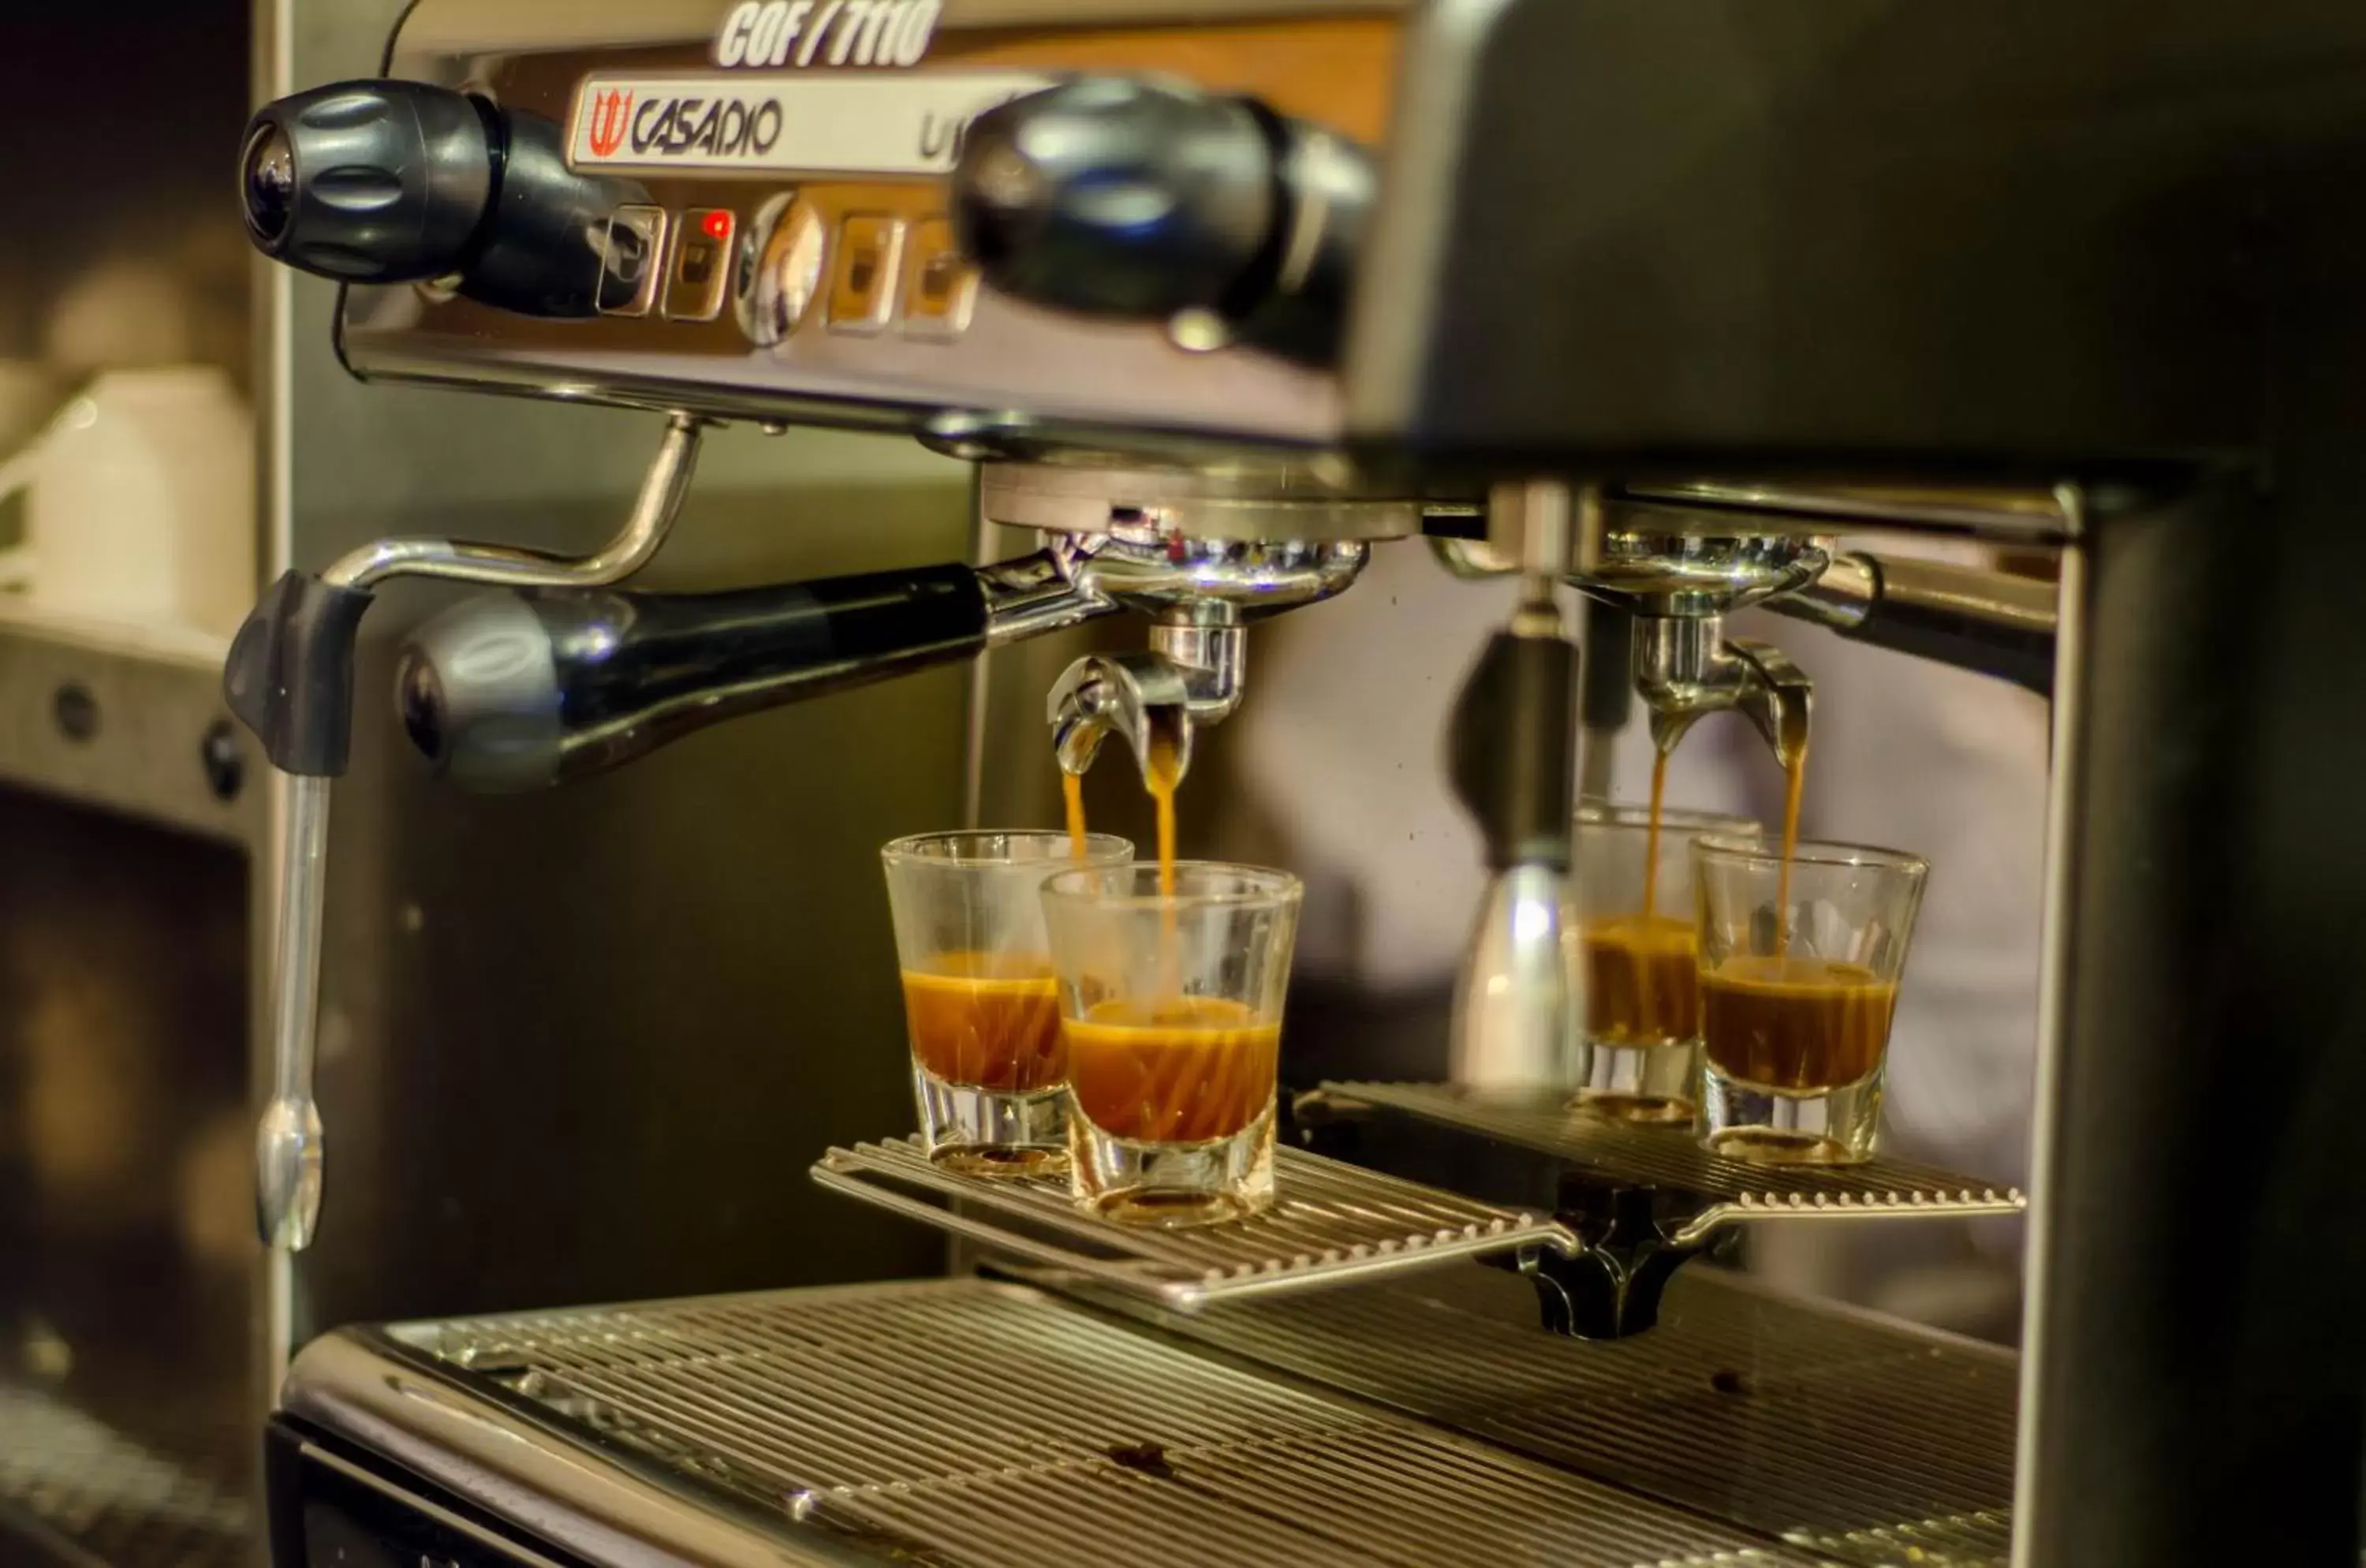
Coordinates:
(873, 271)
(668, 215)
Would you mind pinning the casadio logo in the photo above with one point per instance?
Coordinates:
(691, 126)
(611, 118)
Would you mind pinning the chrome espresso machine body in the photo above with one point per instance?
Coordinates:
(1222, 296)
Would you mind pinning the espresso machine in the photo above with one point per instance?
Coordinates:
(1220, 297)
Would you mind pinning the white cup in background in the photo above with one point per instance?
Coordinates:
(140, 502)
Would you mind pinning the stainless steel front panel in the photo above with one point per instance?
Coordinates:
(584, 1045)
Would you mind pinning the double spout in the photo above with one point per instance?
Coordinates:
(1684, 666)
(1190, 676)
(1201, 595)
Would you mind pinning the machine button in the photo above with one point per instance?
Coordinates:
(779, 268)
(629, 261)
(941, 289)
(863, 290)
(701, 264)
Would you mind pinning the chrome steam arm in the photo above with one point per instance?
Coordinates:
(290, 678)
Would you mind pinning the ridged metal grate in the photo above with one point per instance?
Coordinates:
(962, 1422)
(1733, 1191)
(111, 1499)
(1331, 1223)
(1862, 1443)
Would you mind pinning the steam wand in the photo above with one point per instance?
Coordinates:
(1512, 756)
(289, 679)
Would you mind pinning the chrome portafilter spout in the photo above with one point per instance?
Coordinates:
(1677, 585)
(1190, 676)
(1685, 667)
(1201, 595)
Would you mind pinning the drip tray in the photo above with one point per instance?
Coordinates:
(951, 1422)
(1863, 1442)
(1331, 1223)
(1730, 1191)
(74, 1490)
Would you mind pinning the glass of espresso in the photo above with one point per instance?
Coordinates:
(1170, 1002)
(1800, 956)
(988, 1068)
(1633, 950)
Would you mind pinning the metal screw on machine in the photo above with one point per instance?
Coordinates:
(75, 712)
(289, 679)
(223, 762)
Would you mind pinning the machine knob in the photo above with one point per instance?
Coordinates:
(1114, 197)
(373, 182)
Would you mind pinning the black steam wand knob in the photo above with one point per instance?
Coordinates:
(370, 181)
(383, 181)
(1114, 197)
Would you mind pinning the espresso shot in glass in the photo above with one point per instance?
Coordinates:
(1800, 959)
(989, 1069)
(1170, 1003)
(1634, 949)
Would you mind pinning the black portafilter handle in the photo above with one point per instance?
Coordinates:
(394, 182)
(512, 690)
(1110, 196)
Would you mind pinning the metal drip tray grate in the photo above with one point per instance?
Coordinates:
(1331, 1223)
(89, 1493)
(963, 1421)
(1734, 1192)
(1860, 1442)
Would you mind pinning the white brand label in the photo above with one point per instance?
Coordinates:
(771, 34)
(833, 124)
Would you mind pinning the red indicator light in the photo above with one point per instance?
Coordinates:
(717, 225)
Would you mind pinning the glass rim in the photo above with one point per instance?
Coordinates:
(913, 849)
(1808, 852)
(1594, 813)
(1272, 887)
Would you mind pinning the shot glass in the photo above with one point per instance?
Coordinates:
(1799, 966)
(1633, 953)
(1171, 1006)
(988, 1069)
